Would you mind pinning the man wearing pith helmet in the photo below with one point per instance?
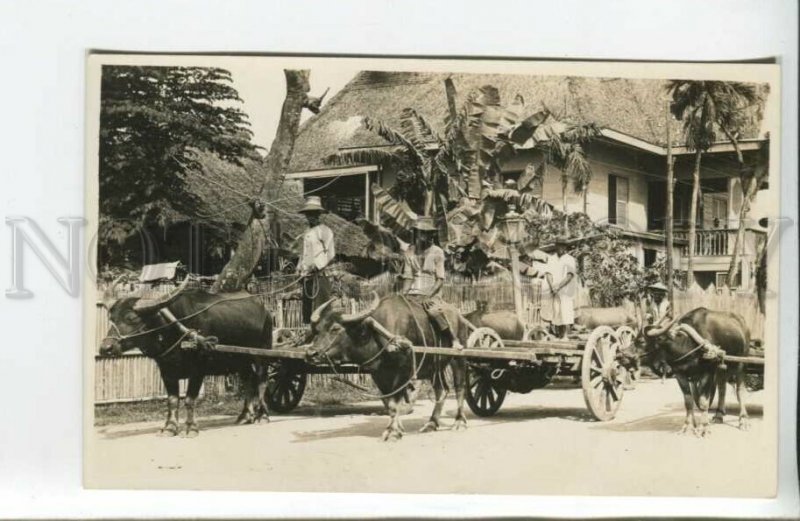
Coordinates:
(658, 307)
(423, 275)
(318, 252)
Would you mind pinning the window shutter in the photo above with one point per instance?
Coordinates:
(612, 199)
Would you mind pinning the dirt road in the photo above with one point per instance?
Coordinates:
(540, 443)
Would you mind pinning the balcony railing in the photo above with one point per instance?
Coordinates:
(710, 243)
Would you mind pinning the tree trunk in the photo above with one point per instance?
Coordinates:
(250, 246)
(670, 211)
(585, 199)
(564, 184)
(750, 186)
(693, 218)
(751, 183)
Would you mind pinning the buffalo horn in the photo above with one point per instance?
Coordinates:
(148, 305)
(317, 314)
(692, 332)
(658, 331)
(357, 317)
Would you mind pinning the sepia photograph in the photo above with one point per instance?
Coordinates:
(431, 276)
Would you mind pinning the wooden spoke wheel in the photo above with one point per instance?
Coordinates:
(484, 338)
(285, 387)
(537, 333)
(484, 396)
(602, 377)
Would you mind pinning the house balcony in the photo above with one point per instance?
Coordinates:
(714, 249)
(710, 243)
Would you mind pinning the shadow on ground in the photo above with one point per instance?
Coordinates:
(671, 419)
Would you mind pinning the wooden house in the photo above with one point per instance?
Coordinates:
(628, 161)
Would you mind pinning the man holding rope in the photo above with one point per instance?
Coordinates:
(318, 252)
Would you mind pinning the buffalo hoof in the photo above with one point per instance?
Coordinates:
(431, 426)
(460, 425)
(169, 430)
(192, 431)
(718, 418)
(262, 418)
(703, 432)
(245, 419)
(686, 429)
(744, 424)
(392, 435)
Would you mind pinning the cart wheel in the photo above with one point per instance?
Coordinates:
(626, 336)
(537, 333)
(484, 338)
(484, 396)
(602, 377)
(285, 388)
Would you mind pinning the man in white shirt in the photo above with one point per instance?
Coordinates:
(659, 310)
(562, 282)
(423, 276)
(318, 252)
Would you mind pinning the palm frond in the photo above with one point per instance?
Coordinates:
(393, 136)
(417, 130)
(578, 168)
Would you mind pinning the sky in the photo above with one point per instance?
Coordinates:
(262, 87)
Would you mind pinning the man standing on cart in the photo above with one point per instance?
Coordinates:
(423, 276)
(318, 252)
(561, 279)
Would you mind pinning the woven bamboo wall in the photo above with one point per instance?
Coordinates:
(135, 377)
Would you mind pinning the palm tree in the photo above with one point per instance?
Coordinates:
(708, 108)
(693, 103)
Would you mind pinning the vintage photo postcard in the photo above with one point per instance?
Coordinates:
(432, 276)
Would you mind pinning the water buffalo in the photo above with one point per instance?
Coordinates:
(377, 339)
(230, 318)
(692, 346)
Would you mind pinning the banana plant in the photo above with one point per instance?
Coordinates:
(455, 176)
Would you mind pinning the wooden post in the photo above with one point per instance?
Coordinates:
(670, 209)
(278, 318)
(515, 282)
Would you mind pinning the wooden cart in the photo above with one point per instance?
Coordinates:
(496, 366)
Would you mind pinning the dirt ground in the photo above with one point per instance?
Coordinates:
(541, 443)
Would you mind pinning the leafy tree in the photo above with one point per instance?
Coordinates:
(151, 118)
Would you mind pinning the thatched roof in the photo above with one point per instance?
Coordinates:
(633, 107)
(224, 189)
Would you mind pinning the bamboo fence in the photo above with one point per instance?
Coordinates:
(135, 377)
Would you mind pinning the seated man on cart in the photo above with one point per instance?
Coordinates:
(423, 276)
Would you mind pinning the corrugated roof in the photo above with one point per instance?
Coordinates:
(634, 107)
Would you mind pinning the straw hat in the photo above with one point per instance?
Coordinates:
(313, 204)
(657, 287)
(425, 224)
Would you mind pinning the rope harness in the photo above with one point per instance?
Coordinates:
(710, 351)
(396, 340)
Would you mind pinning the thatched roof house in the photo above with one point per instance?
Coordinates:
(624, 108)
(203, 241)
(628, 161)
